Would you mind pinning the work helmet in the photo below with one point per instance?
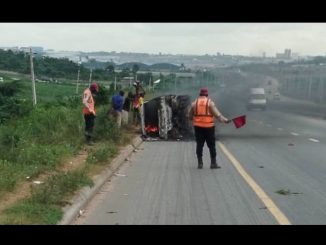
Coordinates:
(94, 87)
(203, 92)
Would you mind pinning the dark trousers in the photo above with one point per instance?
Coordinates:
(205, 135)
(136, 116)
(89, 124)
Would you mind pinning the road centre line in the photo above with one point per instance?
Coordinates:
(295, 134)
(270, 205)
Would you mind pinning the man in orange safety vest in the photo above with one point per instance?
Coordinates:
(89, 110)
(202, 112)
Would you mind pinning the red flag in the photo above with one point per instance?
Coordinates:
(239, 121)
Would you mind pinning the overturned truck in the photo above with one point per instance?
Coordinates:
(166, 117)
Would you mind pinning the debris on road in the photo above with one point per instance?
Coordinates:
(121, 175)
(81, 212)
(283, 192)
(287, 192)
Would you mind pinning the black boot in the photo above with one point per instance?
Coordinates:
(200, 163)
(89, 139)
(214, 164)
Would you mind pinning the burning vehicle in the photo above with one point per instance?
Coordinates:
(166, 117)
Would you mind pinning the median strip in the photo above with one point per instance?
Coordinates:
(275, 211)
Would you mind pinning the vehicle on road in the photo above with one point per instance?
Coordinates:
(257, 99)
(277, 96)
(166, 117)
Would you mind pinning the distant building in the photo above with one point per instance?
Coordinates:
(285, 55)
(126, 82)
(35, 50)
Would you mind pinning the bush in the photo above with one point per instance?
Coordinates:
(105, 128)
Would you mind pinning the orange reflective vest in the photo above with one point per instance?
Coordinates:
(202, 115)
(136, 102)
(90, 102)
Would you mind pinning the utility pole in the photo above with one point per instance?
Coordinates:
(149, 83)
(115, 83)
(78, 79)
(32, 76)
(175, 84)
(90, 77)
(309, 89)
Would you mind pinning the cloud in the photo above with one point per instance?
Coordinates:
(187, 38)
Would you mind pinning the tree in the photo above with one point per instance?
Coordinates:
(135, 69)
(125, 72)
(182, 67)
(110, 69)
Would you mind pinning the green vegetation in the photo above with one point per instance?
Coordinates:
(102, 153)
(44, 206)
(47, 68)
(36, 140)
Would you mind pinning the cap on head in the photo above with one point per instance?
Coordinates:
(94, 87)
(203, 92)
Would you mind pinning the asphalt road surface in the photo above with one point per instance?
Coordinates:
(278, 150)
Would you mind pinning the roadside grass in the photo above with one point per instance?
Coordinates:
(46, 202)
(38, 143)
(13, 173)
(41, 141)
(102, 153)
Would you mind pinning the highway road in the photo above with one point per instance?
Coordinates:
(273, 172)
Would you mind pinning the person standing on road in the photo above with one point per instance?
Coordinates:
(89, 110)
(202, 113)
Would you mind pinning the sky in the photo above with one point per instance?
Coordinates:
(249, 39)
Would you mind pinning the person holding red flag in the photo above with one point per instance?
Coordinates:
(202, 113)
(239, 121)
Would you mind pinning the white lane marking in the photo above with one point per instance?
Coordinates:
(295, 134)
(313, 140)
(280, 129)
